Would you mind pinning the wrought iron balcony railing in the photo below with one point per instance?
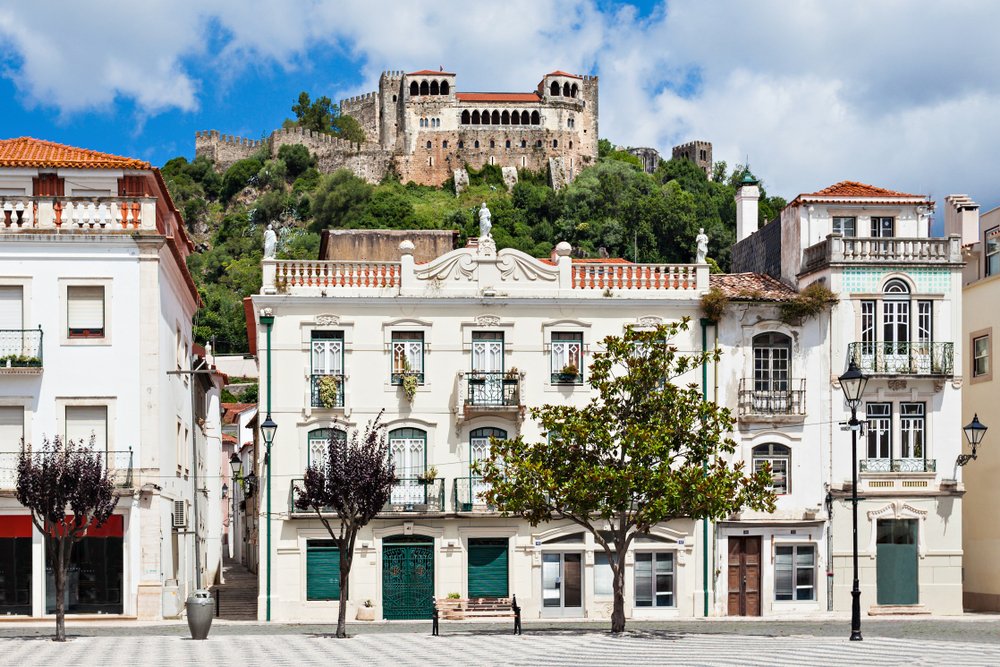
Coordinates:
(910, 358)
(467, 495)
(416, 494)
(327, 390)
(787, 401)
(118, 464)
(898, 465)
(492, 390)
(20, 350)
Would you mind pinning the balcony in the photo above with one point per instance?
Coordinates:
(837, 249)
(467, 495)
(898, 465)
(96, 214)
(327, 391)
(118, 464)
(770, 403)
(481, 392)
(409, 495)
(20, 351)
(912, 358)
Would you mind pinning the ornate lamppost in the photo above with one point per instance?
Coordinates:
(853, 384)
(974, 432)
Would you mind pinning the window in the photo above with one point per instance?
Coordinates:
(322, 570)
(879, 431)
(444, 143)
(883, 227)
(779, 457)
(911, 430)
(326, 358)
(795, 572)
(11, 428)
(555, 143)
(603, 578)
(407, 355)
(86, 422)
(408, 451)
(524, 143)
(493, 144)
(11, 314)
(428, 145)
(567, 357)
(570, 122)
(654, 579)
(85, 311)
(981, 356)
(319, 445)
(538, 143)
(771, 354)
(476, 144)
(506, 144)
(844, 225)
(993, 251)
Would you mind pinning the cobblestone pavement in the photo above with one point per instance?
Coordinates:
(563, 646)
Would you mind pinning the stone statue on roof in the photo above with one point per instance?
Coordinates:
(702, 250)
(485, 222)
(270, 243)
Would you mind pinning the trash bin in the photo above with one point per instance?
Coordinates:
(200, 608)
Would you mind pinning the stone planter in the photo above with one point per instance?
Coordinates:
(366, 614)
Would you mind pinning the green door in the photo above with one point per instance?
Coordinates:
(322, 570)
(408, 577)
(896, 562)
(488, 568)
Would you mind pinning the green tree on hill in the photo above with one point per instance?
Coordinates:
(324, 116)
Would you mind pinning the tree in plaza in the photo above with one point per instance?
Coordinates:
(68, 490)
(354, 482)
(642, 451)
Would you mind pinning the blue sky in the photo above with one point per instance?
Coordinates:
(888, 92)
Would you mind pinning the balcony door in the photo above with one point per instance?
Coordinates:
(479, 450)
(896, 325)
(486, 387)
(771, 356)
(408, 449)
(327, 359)
(11, 320)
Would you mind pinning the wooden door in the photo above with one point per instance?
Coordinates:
(744, 576)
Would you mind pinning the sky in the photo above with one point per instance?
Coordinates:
(898, 93)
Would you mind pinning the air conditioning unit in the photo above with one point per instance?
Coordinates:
(180, 514)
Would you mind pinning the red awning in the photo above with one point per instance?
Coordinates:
(18, 525)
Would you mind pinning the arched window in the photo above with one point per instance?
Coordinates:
(574, 90)
(461, 144)
(538, 144)
(319, 444)
(466, 118)
(479, 443)
(566, 89)
(570, 122)
(515, 118)
(554, 88)
(493, 144)
(505, 118)
(506, 144)
(393, 98)
(408, 452)
(535, 118)
(444, 144)
(780, 458)
(414, 88)
(571, 144)
(434, 88)
(486, 117)
(445, 88)
(772, 354)
(524, 143)
(525, 118)
(424, 88)
(475, 117)
(476, 144)
(896, 316)
(555, 143)
(495, 118)
(428, 145)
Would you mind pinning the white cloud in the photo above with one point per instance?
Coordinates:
(895, 92)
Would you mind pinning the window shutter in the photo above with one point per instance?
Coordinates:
(11, 307)
(488, 568)
(85, 309)
(11, 427)
(322, 570)
(84, 421)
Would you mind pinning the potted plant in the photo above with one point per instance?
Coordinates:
(511, 376)
(428, 476)
(569, 373)
(367, 612)
(408, 380)
(329, 390)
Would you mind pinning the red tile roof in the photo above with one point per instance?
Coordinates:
(231, 411)
(29, 152)
(855, 189)
(559, 72)
(430, 72)
(498, 97)
(228, 439)
(751, 287)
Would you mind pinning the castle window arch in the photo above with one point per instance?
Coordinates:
(515, 118)
(535, 118)
(555, 143)
(570, 122)
(493, 144)
(538, 144)
(571, 144)
(574, 90)
(780, 459)
(505, 118)
(506, 144)
(424, 88)
(475, 117)
(393, 98)
(476, 144)
(428, 145)
(466, 117)
(566, 89)
(414, 88)
(524, 143)
(461, 144)
(445, 88)
(495, 119)
(485, 116)
(525, 119)
(554, 89)
(434, 88)
(444, 144)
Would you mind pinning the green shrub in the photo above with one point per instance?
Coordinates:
(810, 302)
(239, 176)
(297, 158)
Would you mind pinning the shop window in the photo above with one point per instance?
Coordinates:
(654, 579)
(795, 572)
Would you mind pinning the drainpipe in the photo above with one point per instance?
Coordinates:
(704, 321)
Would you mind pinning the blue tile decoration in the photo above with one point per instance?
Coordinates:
(865, 280)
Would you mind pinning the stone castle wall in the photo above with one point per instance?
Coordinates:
(365, 110)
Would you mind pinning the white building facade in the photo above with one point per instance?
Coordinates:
(95, 312)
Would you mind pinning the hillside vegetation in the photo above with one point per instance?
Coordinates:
(612, 205)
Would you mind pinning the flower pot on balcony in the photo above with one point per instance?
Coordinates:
(568, 378)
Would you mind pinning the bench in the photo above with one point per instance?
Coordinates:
(452, 609)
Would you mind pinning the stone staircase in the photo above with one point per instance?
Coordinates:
(237, 598)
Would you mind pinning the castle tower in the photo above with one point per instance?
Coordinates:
(391, 96)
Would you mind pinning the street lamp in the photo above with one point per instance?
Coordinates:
(853, 384)
(974, 432)
(235, 463)
(268, 428)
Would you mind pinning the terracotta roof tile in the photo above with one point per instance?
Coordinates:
(559, 72)
(751, 287)
(498, 97)
(429, 72)
(228, 439)
(232, 411)
(855, 189)
(29, 152)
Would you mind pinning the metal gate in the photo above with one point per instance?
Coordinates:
(408, 577)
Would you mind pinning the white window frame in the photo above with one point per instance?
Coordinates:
(654, 591)
(64, 337)
(981, 354)
(991, 256)
(838, 225)
(795, 567)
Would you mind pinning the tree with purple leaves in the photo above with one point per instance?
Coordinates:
(354, 483)
(69, 491)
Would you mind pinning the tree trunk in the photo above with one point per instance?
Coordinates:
(60, 576)
(618, 577)
(345, 571)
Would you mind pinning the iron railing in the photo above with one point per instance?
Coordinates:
(117, 463)
(323, 399)
(409, 494)
(467, 494)
(20, 348)
(910, 358)
(898, 465)
(772, 401)
(492, 389)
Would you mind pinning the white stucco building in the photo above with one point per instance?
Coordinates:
(95, 324)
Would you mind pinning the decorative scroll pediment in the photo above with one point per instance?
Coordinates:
(326, 320)
(515, 265)
(455, 265)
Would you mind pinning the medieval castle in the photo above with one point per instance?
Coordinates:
(420, 125)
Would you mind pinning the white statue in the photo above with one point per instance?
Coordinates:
(702, 241)
(270, 242)
(485, 221)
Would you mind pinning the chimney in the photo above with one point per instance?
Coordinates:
(961, 216)
(747, 197)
